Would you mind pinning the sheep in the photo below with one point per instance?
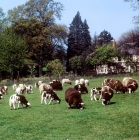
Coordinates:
(37, 84)
(29, 89)
(23, 87)
(14, 87)
(86, 82)
(67, 81)
(77, 82)
(18, 90)
(44, 86)
(82, 81)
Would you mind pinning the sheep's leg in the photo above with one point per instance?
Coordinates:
(45, 101)
(51, 100)
(95, 97)
(18, 105)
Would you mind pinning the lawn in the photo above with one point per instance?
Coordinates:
(117, 121)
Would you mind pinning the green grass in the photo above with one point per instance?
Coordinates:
(117, 121)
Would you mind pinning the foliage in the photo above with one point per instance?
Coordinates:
(102, 55)
(3, 19)
(128, 37)
(117, 121)
(32, 70)
(79, 38)
(135, 6)
(56, 67)
(36, 20)
(43, 10)
(86, 38)
(12, 51)
(104, 38)
(75, 63)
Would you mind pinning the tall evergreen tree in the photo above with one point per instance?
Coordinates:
(86, 36)
(79, 38)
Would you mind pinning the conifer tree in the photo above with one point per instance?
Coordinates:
(79, 38)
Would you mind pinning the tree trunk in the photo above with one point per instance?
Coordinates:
(40, 62)
(11, 74)
(40, 69)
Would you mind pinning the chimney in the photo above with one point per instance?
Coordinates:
(114, 44)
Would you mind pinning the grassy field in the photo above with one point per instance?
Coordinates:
(117, 121)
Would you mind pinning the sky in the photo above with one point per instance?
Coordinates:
(114, 16)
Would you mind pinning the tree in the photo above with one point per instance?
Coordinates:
(12, 52)
(75, 63)
(43, 10)
(102, 55)
(135, 6)
(79, 38)
(37, 17)
(3, 19)
(104, 38)
(128, 37)
(86, 37)
(56, 67)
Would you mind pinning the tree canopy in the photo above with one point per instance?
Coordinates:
(36, 20)
(12, 51)
(104, 38)
(102, 55)
(79, 38)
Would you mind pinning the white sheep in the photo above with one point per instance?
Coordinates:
(82, 81)
(38, 83)
(77, 82)
(18, 90)
(66, 81)
(29, 89)
(23, 87)
(44, 86)
(14, 87)
(86, 82)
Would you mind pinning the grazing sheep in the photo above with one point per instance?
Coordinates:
(3, 89)
(115, 85)
(66, 81)
(14, 87)
(77, 82)
(1, 97)
(49, 94)
(18, 91)
(56, 85)
(18, 99)
(86, 82)
(81, 88)
(94, 92)
(44, 86)
(37, 84)
(29, 89)
(73, 97)
(23, 88)
(106, 94)
(82, 81)
(131, 84)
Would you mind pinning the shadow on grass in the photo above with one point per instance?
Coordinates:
(111, 103)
